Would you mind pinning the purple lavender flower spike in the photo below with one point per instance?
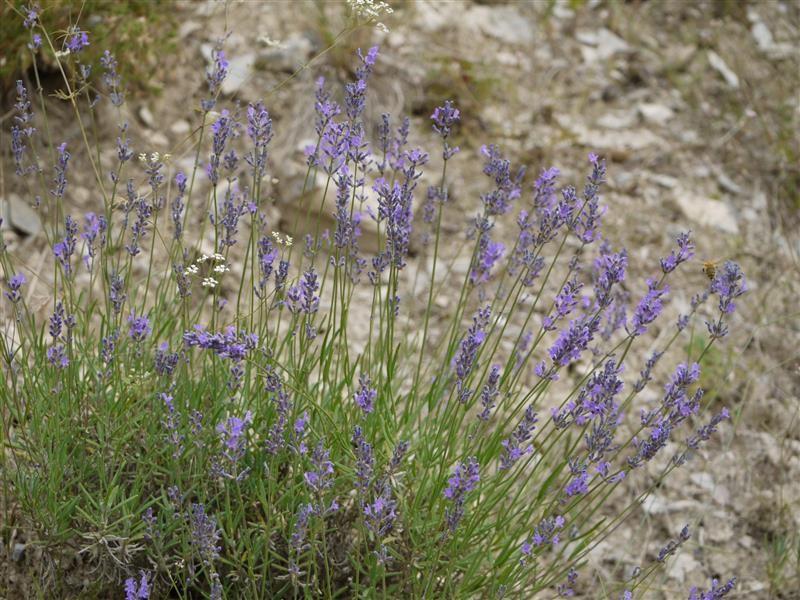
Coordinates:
(444, 119)
(116, 293)
(22, 132)
(702, 435)
(215, 593)
(579, 484)
(366, 394)
(259, 129)
(508, 186)
(355, 93)
(609, 270)
(344, 235)
(685, 252)
(233, 207)
(464, 360)
(299, 431)
(595, 402)
(64, 249)
(545, 189)
(144, 211)
(729, 283)
(490, 392)
(648, 308)
(489, 253)
(94, 230)
(675, 397)
(139, 328)
(380, 514)
(567, 589)
(60, 179)
(586, 222)
(676, 406)
(572, 341)
(57, 356)
(513, 448)
(365, 460)
(276, 440)
(165, 361)
(57, 321)
(280, 275)
(464, 479)
(298, 539)
(124, 152)
(320, 477)
(385, 140)
(544, 534)
(565, 302)
(715, 592)
(77, 40)
(14, 285)
(231, 344)
(137, 590)
(182, 278)
(266, 261)
(395, 209)
(673, 545)
(232, 439)
(111, 79)
(215, 76)
(303, 296)
(32, 11)
(177, 205)
(333, 147)
(326, 111)
(174, 437)
(204, 534)
(644, 374)
(222, 129)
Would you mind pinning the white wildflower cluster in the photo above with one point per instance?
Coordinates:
(154, 157)
(219, 268)
(286, 240)
(215, 257)
(371, 10)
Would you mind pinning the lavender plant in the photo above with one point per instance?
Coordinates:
(207, 425)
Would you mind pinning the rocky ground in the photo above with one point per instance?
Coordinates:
(696, 107)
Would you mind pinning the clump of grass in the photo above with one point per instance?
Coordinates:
(132, 28)
(202, 424)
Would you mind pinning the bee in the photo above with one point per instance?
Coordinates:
(710, 268)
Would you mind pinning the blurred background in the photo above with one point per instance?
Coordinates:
(695, 105)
